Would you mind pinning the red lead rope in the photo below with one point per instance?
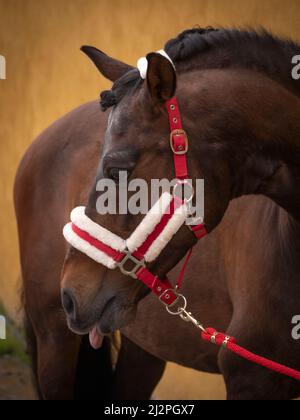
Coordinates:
(220, 339)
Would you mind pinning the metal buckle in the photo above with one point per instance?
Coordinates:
(138, 264)
(180, 309)
(179, 132)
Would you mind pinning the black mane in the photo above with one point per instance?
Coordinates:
(192, 49)
(127, 83)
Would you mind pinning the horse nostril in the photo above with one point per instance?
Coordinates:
(69, 303)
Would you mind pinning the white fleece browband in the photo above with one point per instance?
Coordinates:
(137, 238)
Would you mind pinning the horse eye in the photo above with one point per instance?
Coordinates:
(114, 174)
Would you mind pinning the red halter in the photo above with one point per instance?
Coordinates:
(133, 263)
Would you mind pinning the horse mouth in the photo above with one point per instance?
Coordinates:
(115, 315)
(110, 321)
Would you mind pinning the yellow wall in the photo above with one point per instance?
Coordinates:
(47, 75)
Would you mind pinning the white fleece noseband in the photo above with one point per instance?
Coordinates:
(83, 222)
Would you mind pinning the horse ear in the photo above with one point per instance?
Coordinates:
(109, 67)
(161, 78)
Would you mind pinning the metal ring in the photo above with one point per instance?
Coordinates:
(184, 182)
(180, 309)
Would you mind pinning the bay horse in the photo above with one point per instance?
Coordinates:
(241, 109)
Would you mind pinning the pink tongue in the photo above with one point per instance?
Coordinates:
(95, 339)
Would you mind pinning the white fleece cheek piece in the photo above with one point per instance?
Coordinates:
(150, 221)
(87, 249)
(172, 227)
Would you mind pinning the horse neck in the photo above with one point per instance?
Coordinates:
(283, 240)
(234, 49)
(272, 168)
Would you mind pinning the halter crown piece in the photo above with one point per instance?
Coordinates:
(142, 63)
(156, 230)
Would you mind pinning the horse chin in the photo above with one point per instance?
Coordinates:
(113, 319)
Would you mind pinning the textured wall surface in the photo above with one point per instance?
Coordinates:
(47, 75)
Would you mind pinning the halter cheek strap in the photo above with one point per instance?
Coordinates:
(178, 140)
